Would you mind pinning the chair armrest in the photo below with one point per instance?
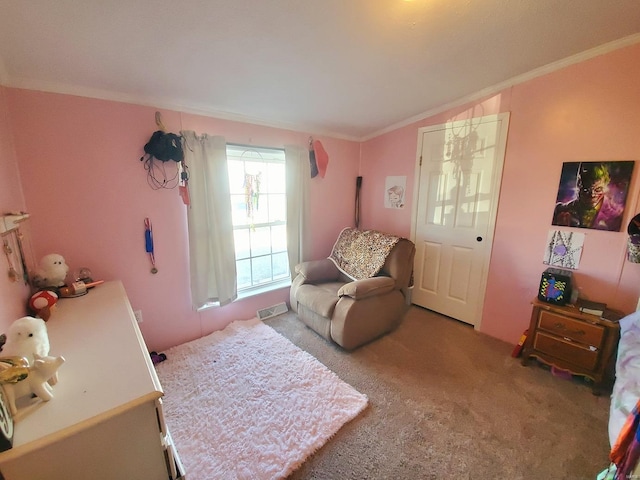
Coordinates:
(367, 287)
(318, 271)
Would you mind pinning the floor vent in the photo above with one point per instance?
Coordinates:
(272, 311)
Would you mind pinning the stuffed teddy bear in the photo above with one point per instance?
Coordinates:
(40, 372)
(51, 272)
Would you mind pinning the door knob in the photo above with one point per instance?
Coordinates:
(478, 239)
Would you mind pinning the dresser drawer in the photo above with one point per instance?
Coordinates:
(574, 353)
(582, 344)
(577, 330)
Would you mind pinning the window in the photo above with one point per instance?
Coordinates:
(258, 206)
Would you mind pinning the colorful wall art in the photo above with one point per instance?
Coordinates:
(592, 194)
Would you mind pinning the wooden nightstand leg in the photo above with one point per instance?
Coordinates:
(602, 386)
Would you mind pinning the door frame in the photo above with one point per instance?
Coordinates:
(496, 181)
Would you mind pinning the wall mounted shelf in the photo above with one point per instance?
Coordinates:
(10, 222)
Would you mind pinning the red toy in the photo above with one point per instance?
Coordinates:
(518, 348)
(42, 302)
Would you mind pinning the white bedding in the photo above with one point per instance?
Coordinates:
(626, 390)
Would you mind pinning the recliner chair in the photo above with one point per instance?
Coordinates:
(353, 310)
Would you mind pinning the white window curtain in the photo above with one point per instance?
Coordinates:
(211, 246)
(298, 173)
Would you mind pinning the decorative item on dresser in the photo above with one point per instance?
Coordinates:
(565, 338)
(106, 420)
(591, 307)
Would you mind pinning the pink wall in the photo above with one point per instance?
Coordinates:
(588, 111)
(86, 190)
(13, 295)
(88, 196)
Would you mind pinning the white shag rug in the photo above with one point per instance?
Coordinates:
(246, 403)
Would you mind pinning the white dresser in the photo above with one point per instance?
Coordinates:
(105, 420)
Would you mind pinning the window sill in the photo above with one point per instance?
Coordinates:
(251, 292)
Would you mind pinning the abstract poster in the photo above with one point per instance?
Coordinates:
(592, 195)
(563, 249)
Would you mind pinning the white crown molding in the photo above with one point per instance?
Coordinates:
(160, 103)
(538, 72)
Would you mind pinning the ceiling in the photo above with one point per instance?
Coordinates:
(347, 68)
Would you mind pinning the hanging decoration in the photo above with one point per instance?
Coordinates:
(12, 240)
(357, 207)
(183, 188)
(160, 149)
(251, 193)
(318, 158)
(8, 251)
(564, 249)
(633, 240)
(148, 242)
(23, 262)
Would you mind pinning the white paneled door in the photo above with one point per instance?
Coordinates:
(458, 183)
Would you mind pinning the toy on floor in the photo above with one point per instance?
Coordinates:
(157, 357)
(37, 381)
(51, 272)
(517, 351)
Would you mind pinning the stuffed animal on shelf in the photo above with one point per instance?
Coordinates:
(36, 382)
(27, 337)
(51, 271)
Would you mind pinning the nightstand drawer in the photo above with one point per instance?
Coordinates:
(574, 353)
(577, 330)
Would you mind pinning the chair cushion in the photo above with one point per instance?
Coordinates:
(318, 271)
(321, 298)
(368, 287)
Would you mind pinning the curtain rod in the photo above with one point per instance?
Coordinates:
(240, 145)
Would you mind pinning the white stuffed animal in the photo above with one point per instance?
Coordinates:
(36, 382)
(27, 337)
(52, 271)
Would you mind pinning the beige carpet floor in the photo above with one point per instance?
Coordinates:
(448, 402)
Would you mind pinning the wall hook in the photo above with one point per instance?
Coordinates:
(159, 122)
